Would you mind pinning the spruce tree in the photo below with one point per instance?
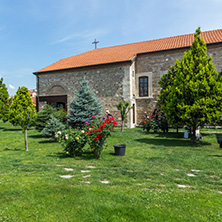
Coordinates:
(84, 106)
(22, 111)
(4, 102)
(194, 95)
(53, 125)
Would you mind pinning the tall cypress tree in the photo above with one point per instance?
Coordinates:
(84, 106)
(22, 111)
(4, 102)
(194, 92)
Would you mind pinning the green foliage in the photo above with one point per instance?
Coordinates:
(191, 94)
(84, 106)
(45, 114)
(162, 121)
(22, 111)
(4, 102)
(72, 140)
(146, 123)
(98, 131)
(124, 108)
(53, 125)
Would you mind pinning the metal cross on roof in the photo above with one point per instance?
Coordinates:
(95, 42)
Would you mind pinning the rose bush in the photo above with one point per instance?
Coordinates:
(98, 131)
(72, 140)
(94, 133)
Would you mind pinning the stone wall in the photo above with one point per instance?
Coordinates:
(109, 83)
(159, 63)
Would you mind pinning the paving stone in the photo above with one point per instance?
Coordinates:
(191, 175)
(91, 167)
(85, 171)
(66, 176)
(86, 176)
(68, 169)
(105, 181)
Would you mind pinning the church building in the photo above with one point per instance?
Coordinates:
(129, 71)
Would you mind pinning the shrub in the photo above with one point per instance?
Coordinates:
(146, 123)
(52, 126)
(98, 131)
(72, 140)
(44, 115)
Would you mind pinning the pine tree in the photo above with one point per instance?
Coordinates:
(194, 95)
(84, 106)
(53, 125)
(4, 102)
(22, 111)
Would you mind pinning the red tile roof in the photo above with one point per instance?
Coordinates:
(122, 53)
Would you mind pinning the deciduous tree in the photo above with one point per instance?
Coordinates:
(4, 102)
(22, 111)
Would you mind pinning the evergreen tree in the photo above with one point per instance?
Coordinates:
(22, 111)
(4, 102)
(193, 96)
(43, 117)
(53, 125)
(84, 106)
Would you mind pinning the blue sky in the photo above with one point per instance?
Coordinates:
(37, 33)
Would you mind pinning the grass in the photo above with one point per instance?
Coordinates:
(143, 183)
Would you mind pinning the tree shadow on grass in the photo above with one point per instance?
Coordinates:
(12, 130)
(85, 156)
(215, 155)
(7, 149)
(171, 142)
(47, 141)
(169, 135)
(36, 136)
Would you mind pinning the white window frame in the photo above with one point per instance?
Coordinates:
(144, 74)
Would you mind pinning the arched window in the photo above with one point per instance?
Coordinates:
(143, 86)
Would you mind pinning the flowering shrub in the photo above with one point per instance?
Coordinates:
(73, 141)
(97, 132)
(146, 123)
(156, 121)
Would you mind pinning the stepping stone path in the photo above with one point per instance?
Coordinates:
(85, 171)
(87, 182)
(195, 170)
(91, 167)
(66, 176)
(68, 169)
(191, 175)
(105, 181)
(182, 186)
(86, 176)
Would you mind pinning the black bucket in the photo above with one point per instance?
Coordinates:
(120, 149)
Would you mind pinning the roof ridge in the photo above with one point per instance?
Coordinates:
(125, 52)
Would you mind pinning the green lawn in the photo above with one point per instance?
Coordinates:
(144, 184)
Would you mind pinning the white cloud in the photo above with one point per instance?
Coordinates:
(11, 87)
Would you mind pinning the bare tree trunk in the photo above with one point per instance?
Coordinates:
(26, 141)
(194, 135)
(122, 126)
